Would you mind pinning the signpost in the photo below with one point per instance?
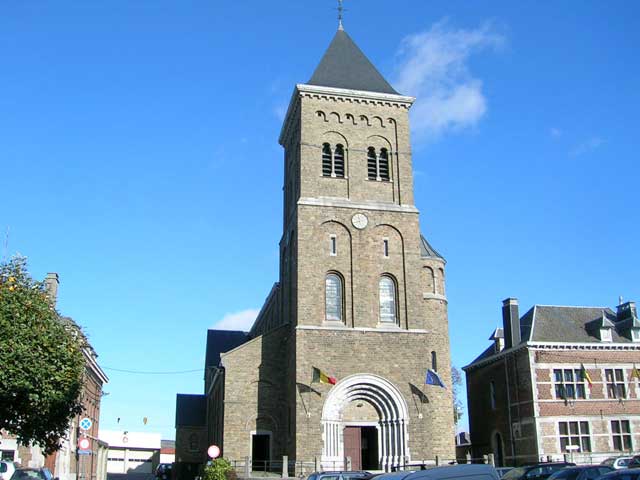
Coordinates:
(213, 451)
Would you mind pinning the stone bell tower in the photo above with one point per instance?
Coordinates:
(361, 288)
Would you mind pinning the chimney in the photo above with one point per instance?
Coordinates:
(511, 322)
(51, 283)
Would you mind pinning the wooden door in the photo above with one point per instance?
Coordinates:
(353, 447)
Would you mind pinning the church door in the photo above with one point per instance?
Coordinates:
(353, 446)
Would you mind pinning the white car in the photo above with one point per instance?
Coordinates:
(6, 469)
(617, 462)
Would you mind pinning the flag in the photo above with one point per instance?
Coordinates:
(635, 373)
(433, 379)
(320, 377)
(585, 375)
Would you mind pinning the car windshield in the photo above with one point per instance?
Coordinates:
(515, 473)
(28, 475)
(566, 474)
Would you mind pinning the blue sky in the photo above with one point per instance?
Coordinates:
(139, 160)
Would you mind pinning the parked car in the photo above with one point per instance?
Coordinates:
(583, 472)
(342, 475)
(458, 472)
(634, 462)
(536, 471)
(6, 469)
(32, 474)
(617, 462)
(622, 474)
(163, 471)
(502, 470)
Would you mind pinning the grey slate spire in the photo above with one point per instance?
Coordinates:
(345, 66)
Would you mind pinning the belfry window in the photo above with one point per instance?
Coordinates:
(378, 165)
(333, 298)
(332, 161)
(387, 292)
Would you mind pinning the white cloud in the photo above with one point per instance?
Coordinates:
(242, 320)
(433, 68)
(587, 146)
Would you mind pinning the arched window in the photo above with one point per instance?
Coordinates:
(434, 361)
(333, 297)
(326, 160)
(372, 164)
(383, 165)
(338, 161)
(387, 292)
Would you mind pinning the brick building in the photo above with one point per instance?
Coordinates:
(360, 295)
(558, 381)
(66, 464)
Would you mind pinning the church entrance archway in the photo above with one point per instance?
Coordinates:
(373, 443)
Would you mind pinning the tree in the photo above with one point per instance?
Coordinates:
(41, 361)
(456, 381)
(219, 469)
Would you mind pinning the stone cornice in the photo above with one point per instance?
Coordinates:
(340, 203)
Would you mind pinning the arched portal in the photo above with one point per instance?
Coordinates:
(392, 412)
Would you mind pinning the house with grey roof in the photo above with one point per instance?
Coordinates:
(559, 382)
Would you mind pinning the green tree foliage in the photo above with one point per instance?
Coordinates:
(456, 381)
(219, 469)
(41, 361)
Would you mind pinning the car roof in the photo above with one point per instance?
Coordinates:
(452, 471)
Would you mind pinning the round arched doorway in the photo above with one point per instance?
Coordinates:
(498, 452)
(388, 431)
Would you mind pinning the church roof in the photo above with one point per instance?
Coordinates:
(426, 250)
(345, 66)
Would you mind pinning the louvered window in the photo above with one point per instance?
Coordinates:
(387, 291)
(372, 164)
(326, 160)
(338, 161)
(383, 165)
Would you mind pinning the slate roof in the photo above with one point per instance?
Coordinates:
(191, 410)
(345, 66)
(221, 341)
(559, 324)
(426, 250)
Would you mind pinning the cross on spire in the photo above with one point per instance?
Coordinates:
(340, 10)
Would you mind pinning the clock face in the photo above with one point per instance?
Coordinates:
(359, 221)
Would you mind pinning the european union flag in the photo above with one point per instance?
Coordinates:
(433, 379)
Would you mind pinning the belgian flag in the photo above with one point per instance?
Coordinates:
(320, 377)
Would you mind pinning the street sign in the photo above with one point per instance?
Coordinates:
(84, 452)
(213, 451)
(85, 423)
(84, 444)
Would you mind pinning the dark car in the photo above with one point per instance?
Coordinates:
(537, 471)
(634, 462)
(583, 472)
(622, 474)
(163, 472)
(457, 472)
(32, 474)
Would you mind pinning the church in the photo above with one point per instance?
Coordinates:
(334, 366)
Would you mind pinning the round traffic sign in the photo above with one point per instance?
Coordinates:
(84, 443)
(85, 423)
(213, 451)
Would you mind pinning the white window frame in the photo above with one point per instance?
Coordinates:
(575, 383)
(621, 435)
(570, 436)
(616, 383)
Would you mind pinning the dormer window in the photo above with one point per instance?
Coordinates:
(605, 335)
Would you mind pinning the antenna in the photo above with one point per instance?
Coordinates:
(340, 11)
